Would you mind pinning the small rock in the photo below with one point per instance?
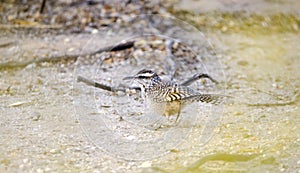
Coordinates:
(146, 164)
(67, 40)
(39, 170)
(31, 66)
(25, 160)
(36, 116)
(94, 31)
(131, 137)
(54, 151)
(242, 63)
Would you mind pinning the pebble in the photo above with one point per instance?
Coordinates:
(36, 116)
(146, 164)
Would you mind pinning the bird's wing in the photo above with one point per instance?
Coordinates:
(207, 98)
(172, 93)
(186, 94)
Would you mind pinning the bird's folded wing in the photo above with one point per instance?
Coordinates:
(172, 93)
(207, 98)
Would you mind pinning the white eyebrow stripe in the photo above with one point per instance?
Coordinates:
(146, 74)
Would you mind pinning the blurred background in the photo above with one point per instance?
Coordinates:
(250, 47)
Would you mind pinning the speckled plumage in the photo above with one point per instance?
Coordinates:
(166, 92)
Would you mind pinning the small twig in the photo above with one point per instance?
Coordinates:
(3, 45)
(196, 77)
(42, 6)
(98, 85)
(118, 47)
(104, 87)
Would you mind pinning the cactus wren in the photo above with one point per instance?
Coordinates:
(172, 95)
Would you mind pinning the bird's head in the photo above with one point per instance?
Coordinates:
(145, 78)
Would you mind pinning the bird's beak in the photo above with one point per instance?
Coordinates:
(129, 78)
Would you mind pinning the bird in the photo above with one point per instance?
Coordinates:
(168, 95)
